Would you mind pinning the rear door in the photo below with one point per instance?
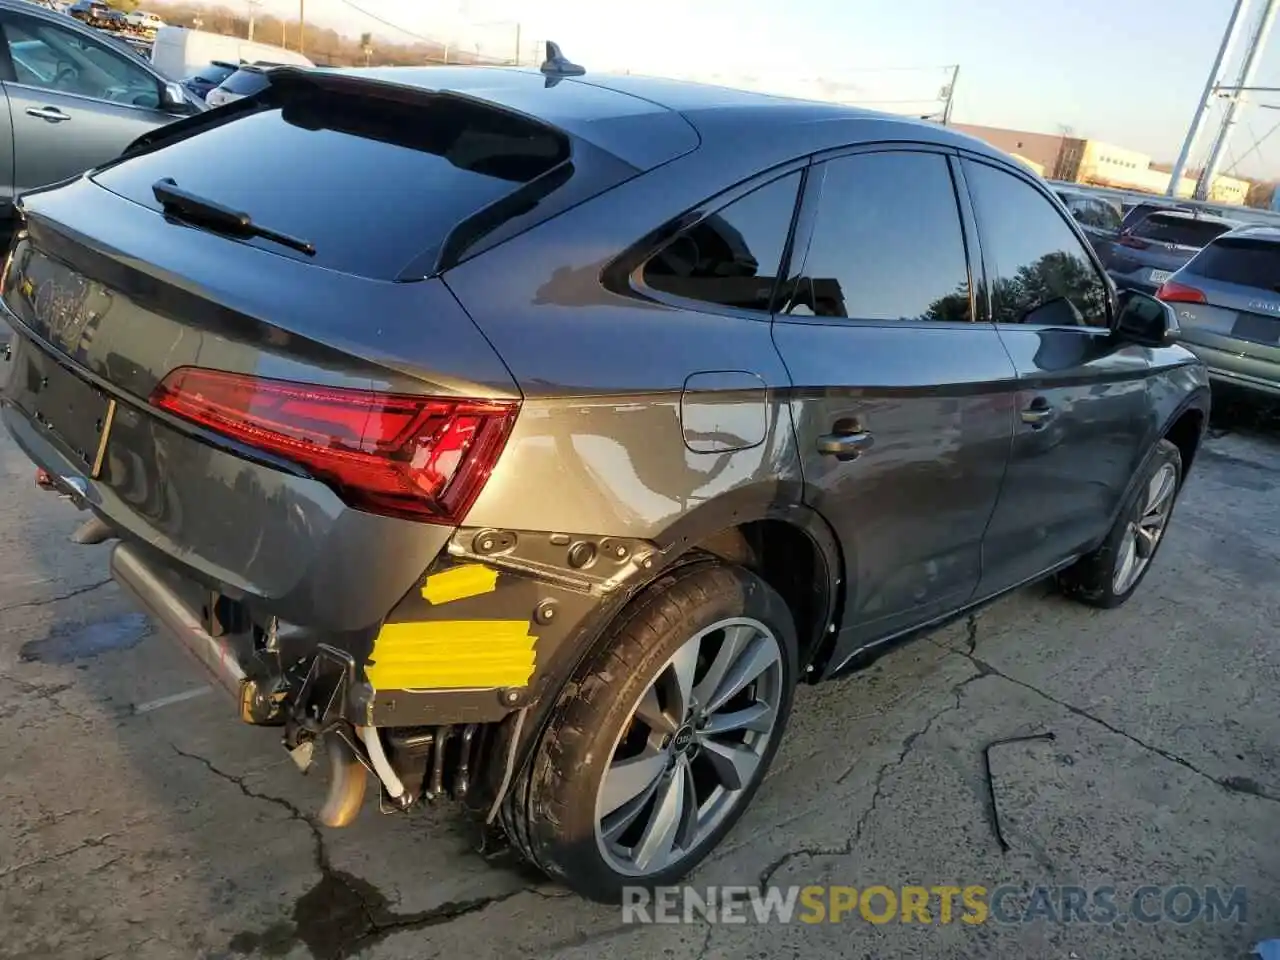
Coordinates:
(902, 404)
(1082, 398)
(75, 102)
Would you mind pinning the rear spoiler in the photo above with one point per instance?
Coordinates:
(289, 80)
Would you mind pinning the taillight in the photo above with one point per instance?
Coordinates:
(1171, 292)
(422, 458)
(1128, 240)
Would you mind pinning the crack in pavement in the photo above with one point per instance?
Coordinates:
(1233, 784)
(851, 841)
(84, 844)
(323, 917)
(62, 596)
(47, 692)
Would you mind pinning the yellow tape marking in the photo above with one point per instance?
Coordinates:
(451, 655)
(459, 583)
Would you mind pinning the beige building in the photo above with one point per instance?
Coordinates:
(1060, 157)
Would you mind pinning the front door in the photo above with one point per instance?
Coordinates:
(75, 102)
(1082, 411)
(902, 405)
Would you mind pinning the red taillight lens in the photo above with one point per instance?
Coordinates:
(1126, 240)
(1171, 292)
(423, 458)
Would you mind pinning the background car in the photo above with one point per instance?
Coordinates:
(1146, 254)
(92, 12)
(209, 76)
(245, 82)
(75, 99)
(1099, 218)
(144, 20)
(1228, 306)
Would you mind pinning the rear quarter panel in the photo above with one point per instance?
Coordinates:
(602, 445)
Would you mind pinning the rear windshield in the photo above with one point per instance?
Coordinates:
(1188, 233)
(213, 73)
(1250, 262)
(373, 183)
(245, 82)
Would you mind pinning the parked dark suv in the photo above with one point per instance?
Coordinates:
(541, 468)
(1147, 253)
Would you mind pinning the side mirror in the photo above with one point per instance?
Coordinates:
(174, 98)
(1144, 320)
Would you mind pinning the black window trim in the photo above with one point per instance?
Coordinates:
(9, 75)
(966, 156)
(811, 197)
(625, 274)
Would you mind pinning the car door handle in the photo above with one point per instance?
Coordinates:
(845, 446)
(1037, 415)
(52, 114)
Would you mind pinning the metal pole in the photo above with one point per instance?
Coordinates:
(951, 91)
(1252, 60)
(1234, 27)
(517, 44)
(302, 26)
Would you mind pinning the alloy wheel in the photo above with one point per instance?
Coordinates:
(1145, 530)
(691, 748)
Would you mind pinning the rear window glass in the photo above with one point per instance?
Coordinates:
(213, 73)
(1248, 262)
(246, 82)
(1189, 233)
(373, 184)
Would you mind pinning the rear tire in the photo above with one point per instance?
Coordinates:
(1109, 576)
(653, 720)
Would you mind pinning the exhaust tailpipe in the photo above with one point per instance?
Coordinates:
(347, 779)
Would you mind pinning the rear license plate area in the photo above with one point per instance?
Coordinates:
(72, 410)
(1250, 326)
(1160, 276)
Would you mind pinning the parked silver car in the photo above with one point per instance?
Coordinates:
(1228, 303)
(75, 99)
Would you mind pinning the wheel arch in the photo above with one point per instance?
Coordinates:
(748, 532)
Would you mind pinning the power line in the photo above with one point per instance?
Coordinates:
(388, 23)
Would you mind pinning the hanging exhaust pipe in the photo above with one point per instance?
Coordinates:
(347, 778)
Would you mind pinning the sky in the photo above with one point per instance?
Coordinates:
(1128, 72)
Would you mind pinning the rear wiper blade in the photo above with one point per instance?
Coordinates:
(197, 209)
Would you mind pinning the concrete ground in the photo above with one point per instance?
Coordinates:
(139, 819)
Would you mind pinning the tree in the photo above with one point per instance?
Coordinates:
(1261, 194)
(366, 45)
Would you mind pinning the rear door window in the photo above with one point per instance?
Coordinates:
(887, 242)
(1184, 231)
(1247, 261)
(375, 184)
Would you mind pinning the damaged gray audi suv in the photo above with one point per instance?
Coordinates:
(527, 436)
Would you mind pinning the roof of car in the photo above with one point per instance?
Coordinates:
(716, 113)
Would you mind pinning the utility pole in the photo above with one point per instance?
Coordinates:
(253, 6)
(1239, 95)
(517, 43)
(951, 93)
(302, 26)
(1235, 26)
